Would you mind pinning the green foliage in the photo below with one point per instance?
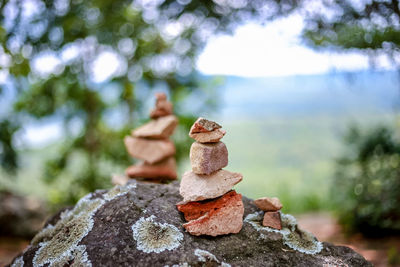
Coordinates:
(366, 187)
(370, 26)
(8, 156)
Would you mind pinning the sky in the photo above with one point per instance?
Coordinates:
(274, 50)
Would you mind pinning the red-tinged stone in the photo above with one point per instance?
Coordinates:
(160, 128)
(268, 203)
(149, 150)
(272, 219)
(219, 217)
(196, 209)
(208, 137)
(196, 187)
(208, 158)
(202, 125)
(165, 169)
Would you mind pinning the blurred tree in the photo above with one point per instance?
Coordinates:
(367, 182)
(369, 26)
(50, 50)
(366, 187)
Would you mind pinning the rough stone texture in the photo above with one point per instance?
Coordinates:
(149, 150)
(268, 203)
(272, 219)
(202, 125)
(111, 241)
(208, 158)
(208, 137)
(160, 128)
(220, 216)
(196, 187)
(165, 169)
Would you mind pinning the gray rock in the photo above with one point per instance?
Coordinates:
(139, 225)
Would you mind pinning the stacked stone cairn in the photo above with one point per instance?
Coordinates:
(209, 204)
(151, 144)
(272, 216)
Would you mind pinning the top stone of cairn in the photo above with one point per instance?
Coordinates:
(206, 131)
(202, 125)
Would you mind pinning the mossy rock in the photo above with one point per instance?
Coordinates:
(139, 225)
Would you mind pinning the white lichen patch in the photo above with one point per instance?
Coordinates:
(292, 236)
(19, 262)
(185, 264)
(151, 236)
(205, 256)
(60, 242)
(119, 190)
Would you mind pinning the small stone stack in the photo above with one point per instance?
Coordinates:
(209, 204)
(152, 145)
(271, 206)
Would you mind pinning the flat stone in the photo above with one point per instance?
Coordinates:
(149, 150)
(220, 216)
(162, 127)
(208, 137)
(195, 187)
(165, 169)
(208, 158)
(272, 219)
(202, 125)
(268, 203)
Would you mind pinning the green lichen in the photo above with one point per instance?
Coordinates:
(292, 236)
(205, 256)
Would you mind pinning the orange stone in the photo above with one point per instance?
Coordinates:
(149, 150)
(272, 219)
(268, 203)
(165, 169)
(202, 125)
(220, 216)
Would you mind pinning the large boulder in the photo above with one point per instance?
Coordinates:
(138, 225)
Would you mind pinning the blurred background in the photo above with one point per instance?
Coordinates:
(308, 92)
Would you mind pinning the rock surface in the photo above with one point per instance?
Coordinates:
(139, 225)
(195, 187)
(149, 150)
(268, 203)
(208, 158)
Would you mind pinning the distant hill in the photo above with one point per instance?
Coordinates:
(367, 92)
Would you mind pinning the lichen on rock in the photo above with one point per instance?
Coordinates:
(58, 243)
(18, 262)
(119, 190)
(152, 236)
(205, 256)
(292, 236)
